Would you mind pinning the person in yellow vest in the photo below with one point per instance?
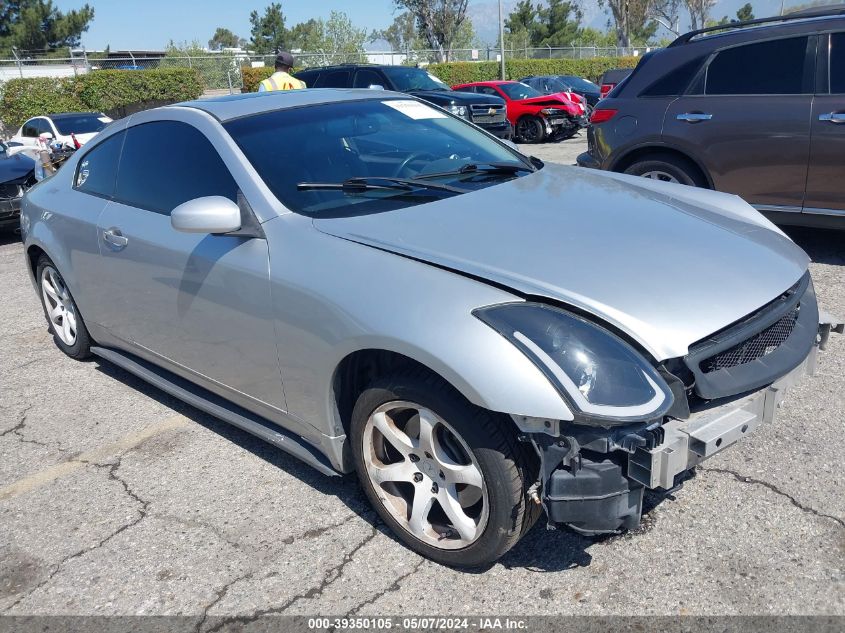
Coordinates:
(281, 79)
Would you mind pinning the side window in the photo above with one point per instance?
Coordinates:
(29, 128)
(42, 126)
(166, 163)
(97, 170)
(837, 63)
(674, 82)
(333, 79)
(487, 90)
(775, 67)
(367, 78)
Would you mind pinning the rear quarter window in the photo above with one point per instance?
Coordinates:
(675, 82)
(97, 171)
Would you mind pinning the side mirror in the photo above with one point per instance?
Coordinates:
(211, 214)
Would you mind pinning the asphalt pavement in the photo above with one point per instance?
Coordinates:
(117, 499)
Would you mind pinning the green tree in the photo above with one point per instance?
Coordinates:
(331, 41)
(438, 21)
(594, 37)
(268, 30)
(402, 33)
(558, 24)
(36, 26)
(745, 12)
(633, 20)
(223, 38)
(306, 36)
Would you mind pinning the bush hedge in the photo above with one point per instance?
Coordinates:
(254, 76)
(466, 72)
(110, 91)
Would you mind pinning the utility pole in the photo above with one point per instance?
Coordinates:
(502, 39)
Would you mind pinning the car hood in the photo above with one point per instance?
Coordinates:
(667, 264)
(15, 167)
(547, 100)
(456, 96)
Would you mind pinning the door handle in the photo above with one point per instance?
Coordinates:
(833, 117)
(115, 238)
(694, 117)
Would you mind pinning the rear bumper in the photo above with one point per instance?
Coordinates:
(599, 492)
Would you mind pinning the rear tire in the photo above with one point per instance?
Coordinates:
(666, 168)
(530, 129)
(470, 444)
(63, 317)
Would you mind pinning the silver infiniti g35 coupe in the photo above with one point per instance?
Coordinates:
(373, 284)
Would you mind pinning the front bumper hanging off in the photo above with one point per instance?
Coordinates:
(602, 492)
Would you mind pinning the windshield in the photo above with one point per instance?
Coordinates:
(578, 83)
(378, 138)
(407, 79)
(81, 123)
(517, 91)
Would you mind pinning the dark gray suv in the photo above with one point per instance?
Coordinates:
(757, 110)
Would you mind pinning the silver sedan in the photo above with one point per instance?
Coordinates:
(375, 285)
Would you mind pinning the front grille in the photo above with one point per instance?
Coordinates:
(490, 114)
(756, 347)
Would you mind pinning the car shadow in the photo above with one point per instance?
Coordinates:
(824, 246)
(9, 236)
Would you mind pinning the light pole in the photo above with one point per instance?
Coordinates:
(502, 40)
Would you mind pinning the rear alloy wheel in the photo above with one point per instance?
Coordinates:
(667, 169)
(448, 478)
(530, 129)
(66, 325)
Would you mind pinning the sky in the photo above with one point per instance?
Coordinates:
(151, 24)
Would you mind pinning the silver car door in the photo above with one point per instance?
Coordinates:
(198, 304)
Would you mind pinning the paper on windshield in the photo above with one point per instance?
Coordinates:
(414, 109)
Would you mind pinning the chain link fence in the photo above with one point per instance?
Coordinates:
(222, 71)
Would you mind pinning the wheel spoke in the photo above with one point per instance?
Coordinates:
(67, 337)
(460, 474)
(427, 423)
(58, 285)
(400, 471)
(51, 292)
(70, 318)
(463, 524)
(397, 438)
(423, 501)
(56, 314)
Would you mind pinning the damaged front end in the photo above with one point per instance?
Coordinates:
(594, 469)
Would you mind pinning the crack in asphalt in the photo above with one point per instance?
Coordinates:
(142, 514)
(751, 480)
(17, 430)
(330, 576)
(203, 525)
(396, 585)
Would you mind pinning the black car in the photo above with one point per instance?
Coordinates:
(551, 84)
(17, 174)
(752, 108)
(486, 111)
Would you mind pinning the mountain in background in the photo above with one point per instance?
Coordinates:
(485, 14)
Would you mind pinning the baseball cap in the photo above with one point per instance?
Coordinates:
(283, 57)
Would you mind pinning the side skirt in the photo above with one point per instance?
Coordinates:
(219, 408)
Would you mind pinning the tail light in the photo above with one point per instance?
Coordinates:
(600, 115)
(76, 143)
(605, 88)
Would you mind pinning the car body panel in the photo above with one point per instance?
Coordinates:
(678, 292)
(825, 184)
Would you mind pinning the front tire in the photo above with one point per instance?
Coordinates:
(530, 129)
(448, 478)
(65, 321)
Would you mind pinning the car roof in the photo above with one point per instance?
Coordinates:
(230, 107)
(58, 116)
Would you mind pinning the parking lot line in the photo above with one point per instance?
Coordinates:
(96, 455)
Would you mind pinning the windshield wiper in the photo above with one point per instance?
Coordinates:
(479, 168)
(369, 183)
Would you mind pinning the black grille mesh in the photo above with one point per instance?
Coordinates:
(754, 348)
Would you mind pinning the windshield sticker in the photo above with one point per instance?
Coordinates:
(415, 109)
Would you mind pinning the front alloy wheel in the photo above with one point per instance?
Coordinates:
(425, 475)
(448, 478)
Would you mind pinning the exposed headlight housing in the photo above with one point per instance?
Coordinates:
(604, 378)
(458, 110)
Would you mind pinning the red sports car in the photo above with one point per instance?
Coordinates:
(535, 116)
